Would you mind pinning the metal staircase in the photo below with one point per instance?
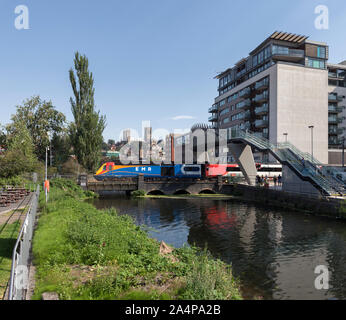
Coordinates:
(308, 170)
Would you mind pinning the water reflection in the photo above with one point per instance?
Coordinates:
(274, 252)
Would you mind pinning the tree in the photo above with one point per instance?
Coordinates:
(61, 148)
(39, 117)
(2, 137)
(87, 129)
(19, 157)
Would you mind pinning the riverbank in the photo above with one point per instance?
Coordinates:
(84, 253)
(189, 196)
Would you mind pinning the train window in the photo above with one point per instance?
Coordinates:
(192, 169)
(233, 169)
(167, 171)
(104, 167)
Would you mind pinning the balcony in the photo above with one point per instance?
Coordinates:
(213, 109)
(335, 109)
(244, 93)
(261, 97)
(262, 110)
(336, 76)
(213, 118)
(334, 98)
(335, 120)
(246, 103)
(261, 85)
(247, 115)
(334, 141)
(261, 123)
(288, 54)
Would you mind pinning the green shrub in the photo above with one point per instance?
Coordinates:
(138, 193)
(210, 279)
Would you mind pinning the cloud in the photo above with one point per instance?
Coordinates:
(183, 118)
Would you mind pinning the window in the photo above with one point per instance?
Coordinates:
(223, 112)
(314, 63)
(321, 52)
(192, 169)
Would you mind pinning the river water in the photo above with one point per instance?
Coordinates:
(273, 252)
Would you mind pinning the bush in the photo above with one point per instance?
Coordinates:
(12, 181)
(210, 280)
(138, 193)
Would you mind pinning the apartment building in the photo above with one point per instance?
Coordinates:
(336, 111)
(280, 91)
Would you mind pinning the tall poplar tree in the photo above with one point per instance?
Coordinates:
(87, 129)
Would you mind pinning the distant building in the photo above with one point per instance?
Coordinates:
(127, 135)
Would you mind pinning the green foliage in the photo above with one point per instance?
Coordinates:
(86, 131)
(19, 157)
(39, 117)
(210, 280)
(12, 181)
(2, 137)
(61, 146)
(138, 193)
(116, 259)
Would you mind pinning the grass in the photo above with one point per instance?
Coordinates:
(8, 239)
(84, 253)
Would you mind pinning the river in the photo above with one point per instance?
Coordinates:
(273, 252)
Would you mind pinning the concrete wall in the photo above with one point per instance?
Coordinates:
(302, 100)
(293, 184)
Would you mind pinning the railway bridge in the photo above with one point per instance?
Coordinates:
(155, 186)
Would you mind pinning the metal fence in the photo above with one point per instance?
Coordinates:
(19, 280)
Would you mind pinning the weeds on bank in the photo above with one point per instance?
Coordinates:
(84, 253)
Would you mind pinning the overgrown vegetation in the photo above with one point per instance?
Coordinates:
(138, 193)
(84, 253)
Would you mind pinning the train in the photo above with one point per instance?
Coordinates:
(111, 170)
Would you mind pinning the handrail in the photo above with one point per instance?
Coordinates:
(23, 240)
(287, 152)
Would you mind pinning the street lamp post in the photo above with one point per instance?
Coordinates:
(46, 175)
(312, 142)
(343, 152)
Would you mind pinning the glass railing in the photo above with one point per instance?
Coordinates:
(261, 110)
(261, 123)
(244, 92)
(262, 84)
(284, 51)
(213, 118)
(334, 97)
(213, 108)
(261, 97)
(335, 109)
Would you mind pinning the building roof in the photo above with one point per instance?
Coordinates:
(277, 35)
(282, 36)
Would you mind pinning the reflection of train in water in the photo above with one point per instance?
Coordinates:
(110, 170)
